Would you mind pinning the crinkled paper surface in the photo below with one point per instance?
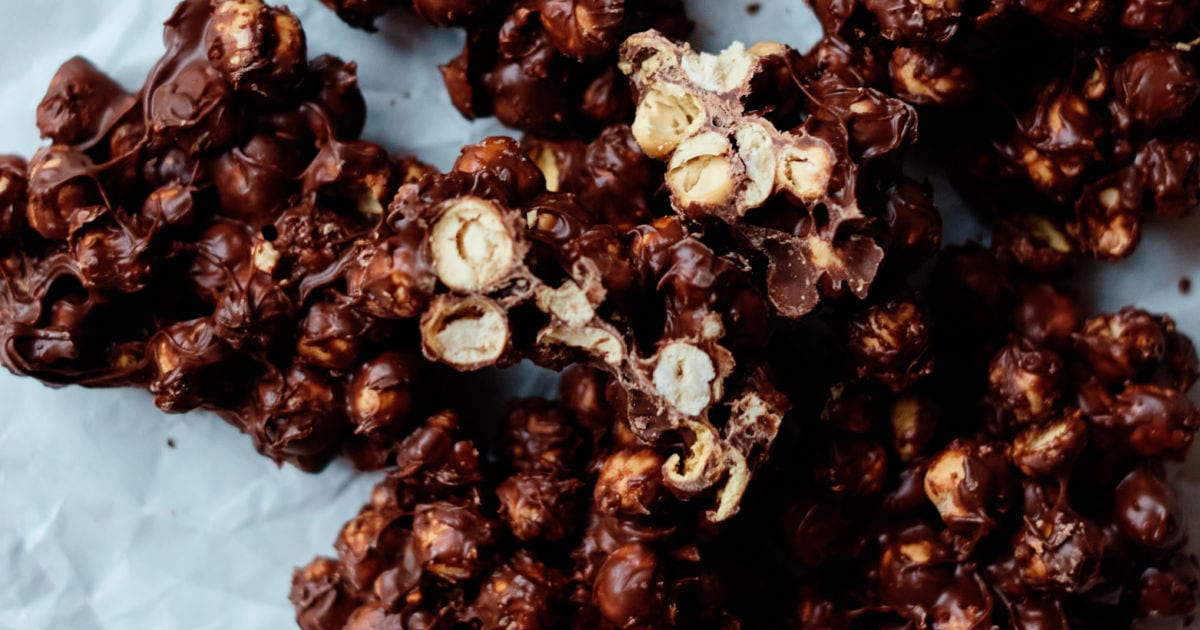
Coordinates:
(103, 524)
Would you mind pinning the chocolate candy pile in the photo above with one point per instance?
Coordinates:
(316, 266)
(573, 526)
(166, 238)
(990, 457)
(1009, 478)
(1072, 121)
(767, 418)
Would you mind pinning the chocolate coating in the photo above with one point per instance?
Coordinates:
(891, 344)
(321, 602)
(1147, 512)
(1156, 85)
(1153, 420)
(454, 541)
(628, 588)
(81, 105)
(522, 593)
(630, 482)
(1026, 380)
(1169, 591)
(380, 394)
(539, 507)
(13, 185)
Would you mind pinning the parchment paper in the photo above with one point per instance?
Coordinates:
(103, 524)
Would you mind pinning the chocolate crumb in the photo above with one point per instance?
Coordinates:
(753, 8)
(170, 442)
(1185, 285)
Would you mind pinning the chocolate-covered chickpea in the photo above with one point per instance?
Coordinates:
(630, 483)
(1156, 85)
(1118, 346)
(295, 416)
(1171, 590)
(522, 593)
(380, 394)
(330, 335)
(319, 596)
(853, 465)
(81, 105)
(920, 581)
(64, 192)
(1154, 421)
(1050, 448)
(367, 545)
(255, 44)
(454, 541)
(890, 344)
(1147, 512)
(542, 437)
(193, 367)
(537, 506)
(1056, 549)
(1046, 315)
(629, 589)
(1026, 380)
(971, 486)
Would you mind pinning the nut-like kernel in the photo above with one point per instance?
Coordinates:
(467, 333)
(685, 377)
(699, 173)
(568, 303)
(629, 482)
(804, 169)
(703, 465)
(729, 498)
(665, 116)
(547, 163)
(266, 257)
(236, 34)
(725, 71)
(757, 152)
(947, 471)
(472, 245)
(1048, 449)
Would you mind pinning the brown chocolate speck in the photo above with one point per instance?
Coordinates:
(1185, 285)
(170, 442)
(753, 8)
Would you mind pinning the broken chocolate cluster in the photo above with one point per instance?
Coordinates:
(798, 176)
(493, 268)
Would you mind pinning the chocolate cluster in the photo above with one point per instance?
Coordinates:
(493, 267)
(1012, 480)
(798, 172)
(1072, 121)
(284, 274)
(573, 528)
(165, 238)
(763, 422)
(543, 66)
(988, 457)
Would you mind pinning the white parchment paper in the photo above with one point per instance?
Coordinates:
(104, 525)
